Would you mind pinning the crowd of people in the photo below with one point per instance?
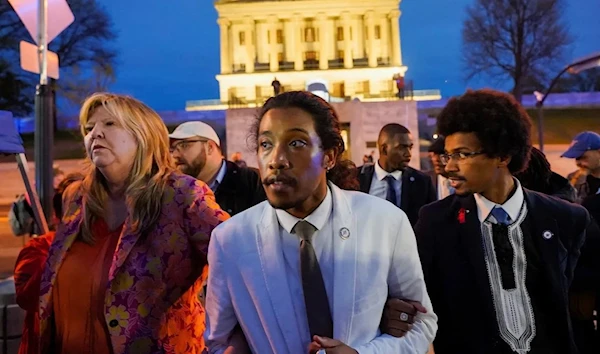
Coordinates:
(162, 245)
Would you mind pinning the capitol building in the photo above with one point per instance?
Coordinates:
(349, 51)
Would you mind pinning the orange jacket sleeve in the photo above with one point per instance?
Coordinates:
(28, 271)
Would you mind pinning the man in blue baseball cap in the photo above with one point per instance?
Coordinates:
(585, 149)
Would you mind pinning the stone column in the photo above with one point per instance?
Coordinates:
(225, 46)
(359, 43)
(273, 46)
(298, 51)
(348, 63)
(323, 41)
(288, 43)
(394, 17)
(250, 47)
(385, 36)
(370, 22)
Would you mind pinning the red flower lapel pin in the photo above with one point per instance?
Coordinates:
(462, 215)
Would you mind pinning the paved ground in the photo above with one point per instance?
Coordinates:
(9, 245)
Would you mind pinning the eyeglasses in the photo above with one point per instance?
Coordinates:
(184, 145)
(458, 156)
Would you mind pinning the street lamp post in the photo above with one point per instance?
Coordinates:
(588, 62)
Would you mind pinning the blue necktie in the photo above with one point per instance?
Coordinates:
(390, 196)
(501, 215)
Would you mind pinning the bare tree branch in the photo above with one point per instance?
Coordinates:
(518, 40)
(84, 49)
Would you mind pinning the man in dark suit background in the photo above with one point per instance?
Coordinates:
(391, 178)
(438, 175)
(196, 148)
(498, 259)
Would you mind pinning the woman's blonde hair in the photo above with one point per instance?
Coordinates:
(151, 168)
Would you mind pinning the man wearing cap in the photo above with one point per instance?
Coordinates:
(196, 148)
(585, 149)
(438, 175)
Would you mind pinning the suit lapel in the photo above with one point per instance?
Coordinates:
(127, 240)
(228, 184)
(365, 177)
(345, 240)
(546, 238)
(68, 229)
(470, 237)
(406, 190)
(271, 257)
(553, 256)
(434, 181)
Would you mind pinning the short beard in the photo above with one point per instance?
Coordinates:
(195, 167)
(284, 206)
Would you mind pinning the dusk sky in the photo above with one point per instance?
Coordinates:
(169, 50)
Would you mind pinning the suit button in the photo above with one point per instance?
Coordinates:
(113, 323)
(229, 211)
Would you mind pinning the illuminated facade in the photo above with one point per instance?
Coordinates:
(352, 50)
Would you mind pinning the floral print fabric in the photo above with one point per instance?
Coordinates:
(151, 303)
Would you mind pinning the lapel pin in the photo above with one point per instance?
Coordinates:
(547, 234)
(344, 233)
(412, 179)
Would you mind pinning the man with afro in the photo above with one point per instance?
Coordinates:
(498, 259)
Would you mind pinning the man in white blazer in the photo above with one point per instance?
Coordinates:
(262, 275)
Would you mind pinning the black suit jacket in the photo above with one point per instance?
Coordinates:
(434, 181)
(417, 189)
(240, 189)
(455, 272)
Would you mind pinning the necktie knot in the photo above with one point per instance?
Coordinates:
(304, 230)
(501, 215)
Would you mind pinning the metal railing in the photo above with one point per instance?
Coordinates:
(238, 102)
(311, 65)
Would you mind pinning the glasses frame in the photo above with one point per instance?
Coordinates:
(178, 145)
(458, 156)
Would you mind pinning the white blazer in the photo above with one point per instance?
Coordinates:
(379, 259)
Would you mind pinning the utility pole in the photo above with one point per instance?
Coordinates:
(44, 132)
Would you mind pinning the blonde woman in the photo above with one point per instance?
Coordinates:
(124, 270)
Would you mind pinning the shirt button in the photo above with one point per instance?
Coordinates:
(113, 323)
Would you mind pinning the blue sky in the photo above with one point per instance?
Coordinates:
(169, 50)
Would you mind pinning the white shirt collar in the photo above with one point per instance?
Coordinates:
(317, 218)
(512, 206)
(380, 173)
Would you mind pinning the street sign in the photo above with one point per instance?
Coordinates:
(30, 60)
(59, 13)
(44, 19)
